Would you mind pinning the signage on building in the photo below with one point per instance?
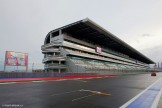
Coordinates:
(98, 50)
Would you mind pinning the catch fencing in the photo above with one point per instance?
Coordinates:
(31, 67)
(42, 74)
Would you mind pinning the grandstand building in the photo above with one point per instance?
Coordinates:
(84, 46)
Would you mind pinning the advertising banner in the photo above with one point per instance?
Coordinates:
(16, 58)
(98, 50)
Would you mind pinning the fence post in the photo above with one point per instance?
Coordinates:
(32, 66)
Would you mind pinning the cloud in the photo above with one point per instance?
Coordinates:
(146, 35)
(24, 24)
(146, 41)
(154, 53)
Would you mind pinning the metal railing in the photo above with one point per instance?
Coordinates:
(49, 45)
(41, 75)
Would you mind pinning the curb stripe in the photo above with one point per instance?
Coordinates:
(155, 104)
(24, 80)
(146, 99)
(38, 81)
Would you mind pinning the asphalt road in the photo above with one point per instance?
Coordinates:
(86, 93)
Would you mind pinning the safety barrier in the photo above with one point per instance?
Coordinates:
(41, 74)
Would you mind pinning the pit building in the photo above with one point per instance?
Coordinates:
(84, 46)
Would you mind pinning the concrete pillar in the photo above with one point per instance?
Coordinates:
(60, 32)
(50, 37)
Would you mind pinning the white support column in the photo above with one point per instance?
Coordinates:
(50, 37)
(60, 32)
(59, 70)
(5, 62)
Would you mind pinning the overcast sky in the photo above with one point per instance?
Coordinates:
(25, 23)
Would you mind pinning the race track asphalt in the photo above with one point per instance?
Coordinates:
(110, 92)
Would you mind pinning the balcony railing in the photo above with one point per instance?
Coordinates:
(49, 45)
(54, 66)
(55, 58)
(50, 50)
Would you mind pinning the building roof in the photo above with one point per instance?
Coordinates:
(88, 29)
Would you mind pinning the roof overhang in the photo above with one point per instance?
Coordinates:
(88, 29)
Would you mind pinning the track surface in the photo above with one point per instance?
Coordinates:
(78, 93)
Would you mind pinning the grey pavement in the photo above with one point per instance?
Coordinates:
(85, 93)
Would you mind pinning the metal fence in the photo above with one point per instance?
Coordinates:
(41, 74)
(31, 67)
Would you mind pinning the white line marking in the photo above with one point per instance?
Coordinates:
(83, 97)
(134, 98)
(38, 81)
(157, 99)
(89, 91)
(61, 80)
(96, 92)
(8, 83)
